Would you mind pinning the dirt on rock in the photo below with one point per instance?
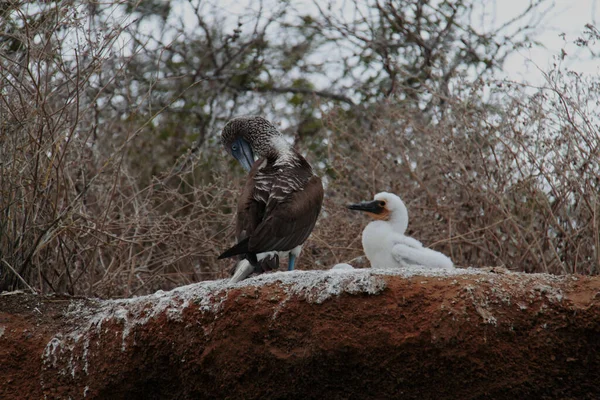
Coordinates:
(27, 323)
(360, 334)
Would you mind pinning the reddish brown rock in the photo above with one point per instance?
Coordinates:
(350, 334)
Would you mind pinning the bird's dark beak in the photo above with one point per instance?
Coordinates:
(374, 206)
(244, 154)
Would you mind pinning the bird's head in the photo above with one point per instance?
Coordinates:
(386, 207)
(247, 135)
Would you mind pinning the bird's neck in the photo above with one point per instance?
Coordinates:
(399, 220)
(282, 151)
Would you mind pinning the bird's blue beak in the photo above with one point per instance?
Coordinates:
(242, 151)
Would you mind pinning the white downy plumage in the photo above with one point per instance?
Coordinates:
(384, 242)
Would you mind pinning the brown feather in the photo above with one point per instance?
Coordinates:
(279, 214)
(282, 198)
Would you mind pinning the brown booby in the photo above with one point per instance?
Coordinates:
(281, 200)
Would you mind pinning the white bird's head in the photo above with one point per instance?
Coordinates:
(385, 207)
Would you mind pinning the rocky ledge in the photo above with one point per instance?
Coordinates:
(338, 334)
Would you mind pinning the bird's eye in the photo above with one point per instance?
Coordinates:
(234, 147)
(382, 203)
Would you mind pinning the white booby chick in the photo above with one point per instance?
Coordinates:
(384, 242)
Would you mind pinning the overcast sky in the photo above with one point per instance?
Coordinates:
(568, 17)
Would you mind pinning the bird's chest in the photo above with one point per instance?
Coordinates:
(377, 242)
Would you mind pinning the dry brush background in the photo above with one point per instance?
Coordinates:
(113, 183)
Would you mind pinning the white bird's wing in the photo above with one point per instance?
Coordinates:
(410, 255)
(407, 240)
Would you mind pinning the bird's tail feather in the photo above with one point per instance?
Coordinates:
(240, 248)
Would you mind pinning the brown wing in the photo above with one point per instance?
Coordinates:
(250, 213)
(288, 218)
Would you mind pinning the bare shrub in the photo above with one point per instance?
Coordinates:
(47, 164)
(74, 218)
(96, 199)
(515, 184)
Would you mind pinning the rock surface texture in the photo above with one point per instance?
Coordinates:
(341, 334)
